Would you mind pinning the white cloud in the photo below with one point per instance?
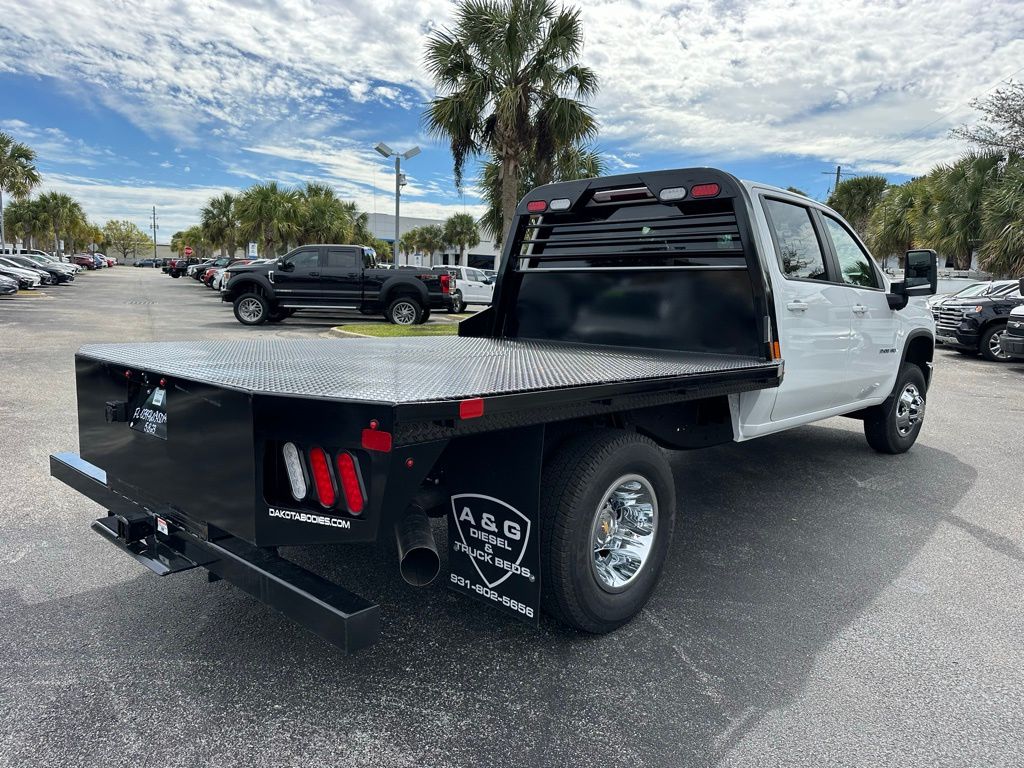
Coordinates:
(835, 81)
(870, 85)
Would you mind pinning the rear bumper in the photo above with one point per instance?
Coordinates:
(1013, 346)
(337, 615)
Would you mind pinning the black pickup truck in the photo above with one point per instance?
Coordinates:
(334, 277)
(978, 324)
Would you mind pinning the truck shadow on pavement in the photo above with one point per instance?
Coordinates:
(780, 544)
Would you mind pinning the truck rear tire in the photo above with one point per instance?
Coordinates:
(607, 514)
(893, 426)
(404, 311)
(457, 305)
(251, 309)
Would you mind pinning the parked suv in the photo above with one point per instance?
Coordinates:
(471, 286)
(978, 324)
(334, 277)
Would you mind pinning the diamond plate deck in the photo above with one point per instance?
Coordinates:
(404, 371)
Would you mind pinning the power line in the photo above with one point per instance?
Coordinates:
(1001, 81)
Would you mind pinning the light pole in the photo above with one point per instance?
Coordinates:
(386, 151)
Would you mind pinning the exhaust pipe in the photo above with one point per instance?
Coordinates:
(418, 560)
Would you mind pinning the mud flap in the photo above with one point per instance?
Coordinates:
(493, 524)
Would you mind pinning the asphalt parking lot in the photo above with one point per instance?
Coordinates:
(823, 605)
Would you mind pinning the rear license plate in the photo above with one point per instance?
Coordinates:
(150, 416)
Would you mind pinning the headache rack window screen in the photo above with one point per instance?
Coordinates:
(700, 234)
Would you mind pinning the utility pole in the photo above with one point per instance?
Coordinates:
(155, 228)
(839, 173)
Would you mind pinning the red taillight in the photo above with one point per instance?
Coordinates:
(375, 440)
(350, 485)
(471, 409)
(446, 283)
(322, 477)
(537, 206)
(705, 190)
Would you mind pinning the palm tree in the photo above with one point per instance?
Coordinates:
(268, 214)
(431, 239)
(461, 230)
(856, 198)
(954, 226)
(62, 211)
(408, 243)
(1002, 218)
(220, 223)
(359, 222)
(510, 87)
(572, 162)
(893, 226)
(18, 174)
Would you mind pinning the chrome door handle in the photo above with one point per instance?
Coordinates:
(797, 306)
(314, 274)
(860, 309)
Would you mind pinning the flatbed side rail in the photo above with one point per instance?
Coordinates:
(341, 617)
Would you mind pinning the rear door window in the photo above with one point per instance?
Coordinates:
(855, 265)
(341, 258)
(796, 241)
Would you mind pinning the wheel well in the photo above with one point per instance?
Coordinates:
(920, 351)
(402, 292)
(249, 286)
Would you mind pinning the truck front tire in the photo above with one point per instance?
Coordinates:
(893, 426)
(991, 344)
(251, 309)
(607, 514)
(404, 311)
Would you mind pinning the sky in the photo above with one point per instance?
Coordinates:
(167, 102)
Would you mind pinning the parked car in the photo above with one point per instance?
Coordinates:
(84, 260)
(145, 263)
(8, 285)
(471, 286)
(44, 277)
(196, 269)
(27, 279)
(978, 324)
(100, 262)
(58, 272)
(178, 267)
(221, 276)
(335, 277)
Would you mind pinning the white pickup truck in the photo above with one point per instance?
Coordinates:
(633, 315)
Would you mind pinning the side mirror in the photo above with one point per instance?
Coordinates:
(920, 277)
(285, 266)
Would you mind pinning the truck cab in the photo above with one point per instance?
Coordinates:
(841, 330)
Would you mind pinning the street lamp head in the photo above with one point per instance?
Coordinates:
(384, 149)
(408, 155)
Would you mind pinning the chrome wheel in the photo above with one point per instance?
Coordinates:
(403, 313)
(909, 409)
(995, 345)
(623, 532)
(250, 310)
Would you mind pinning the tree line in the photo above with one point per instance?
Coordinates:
(46, 220)
(279, 218)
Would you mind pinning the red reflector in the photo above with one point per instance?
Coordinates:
(471, 409)
(446, 283)
(350, 485)
(322, 477)
(705, 190)
(375, 440)
(537, 206)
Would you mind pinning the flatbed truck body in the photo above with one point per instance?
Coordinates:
(632, 315)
